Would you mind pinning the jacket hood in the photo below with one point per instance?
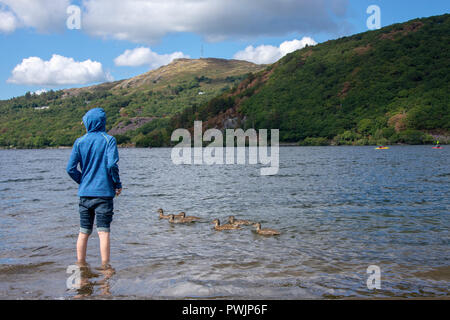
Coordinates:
(95, 120)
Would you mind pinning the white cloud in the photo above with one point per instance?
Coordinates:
(8, 22)
(148, 21)
(266, 54)
(43, 15)
(40, 91)
(58, 70)
(145, 56)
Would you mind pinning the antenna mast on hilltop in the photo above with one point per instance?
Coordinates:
(201, 51)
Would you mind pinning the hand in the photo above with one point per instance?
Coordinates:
(118, 192)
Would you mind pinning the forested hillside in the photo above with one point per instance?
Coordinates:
(386, 86)
(379, 87)
(134, 106)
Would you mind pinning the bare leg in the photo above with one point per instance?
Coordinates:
(104, 247)
(81, 247)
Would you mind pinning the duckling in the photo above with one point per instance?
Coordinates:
(232, 220)
(161, 214)
(265, 232)
(180, 220)
(179, 215)
(191, 218)
(217, 226)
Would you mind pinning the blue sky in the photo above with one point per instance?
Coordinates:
(225, 29)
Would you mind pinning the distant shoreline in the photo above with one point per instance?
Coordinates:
(282, 145)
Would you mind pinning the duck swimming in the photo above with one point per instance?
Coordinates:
(266, 232)
(179, 220)
(217, 226)
(179, 215)
(232, 220)
(161, 214)
(192, 218)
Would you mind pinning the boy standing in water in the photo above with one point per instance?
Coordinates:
(99, 182)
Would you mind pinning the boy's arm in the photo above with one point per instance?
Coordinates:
(72, 166)
(113, 160)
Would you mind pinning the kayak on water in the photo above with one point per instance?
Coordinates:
(382, 148)
(437, 145)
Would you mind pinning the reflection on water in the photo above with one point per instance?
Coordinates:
(89, 280)
(339, 210)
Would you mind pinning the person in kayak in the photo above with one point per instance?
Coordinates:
(99, 182)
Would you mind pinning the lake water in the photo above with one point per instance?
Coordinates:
(340, 209)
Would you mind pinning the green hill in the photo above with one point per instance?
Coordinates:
(136, 105)
(385, 86)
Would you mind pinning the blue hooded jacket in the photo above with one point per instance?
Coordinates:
(97, 154)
